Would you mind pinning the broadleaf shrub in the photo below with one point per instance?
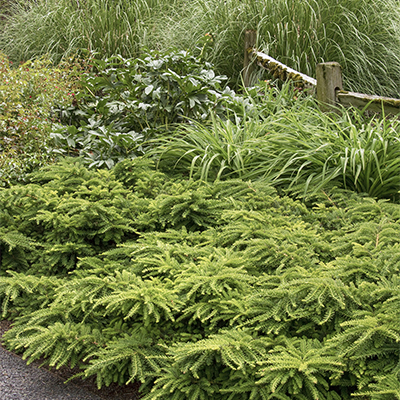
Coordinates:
(128, 101)
(28, 95)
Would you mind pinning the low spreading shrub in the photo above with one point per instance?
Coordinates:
(224, 290)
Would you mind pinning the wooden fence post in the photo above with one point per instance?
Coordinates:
(329, 80)
(250, 40)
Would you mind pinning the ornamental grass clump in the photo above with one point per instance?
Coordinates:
(213, 151)
(233, 146)
(310, 151)
(62, 28)
(298, 149)
(363, 36)
(288, 142)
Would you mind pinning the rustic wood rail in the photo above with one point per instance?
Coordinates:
(328, 85)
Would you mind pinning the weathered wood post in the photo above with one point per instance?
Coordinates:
(329, 81)
(250, 40)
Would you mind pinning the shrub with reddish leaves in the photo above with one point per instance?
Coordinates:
(28, 95)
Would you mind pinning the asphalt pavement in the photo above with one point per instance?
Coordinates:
(19, 381)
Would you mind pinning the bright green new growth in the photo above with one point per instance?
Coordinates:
(197, 290)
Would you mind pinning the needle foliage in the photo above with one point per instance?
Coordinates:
(222, 290)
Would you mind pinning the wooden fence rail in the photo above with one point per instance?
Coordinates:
(328, 86)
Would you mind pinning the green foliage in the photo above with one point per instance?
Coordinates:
(28, 95)
(387, 387)
(229, 147)
(363, 36)
(63, 27)
(198, 290)
(128, 359)
(64, 220)
(22, 286)
(299, 366)
(128, 101)
(298, 149)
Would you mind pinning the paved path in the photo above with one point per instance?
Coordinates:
(19, 381)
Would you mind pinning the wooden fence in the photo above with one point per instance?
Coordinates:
(328, 86)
